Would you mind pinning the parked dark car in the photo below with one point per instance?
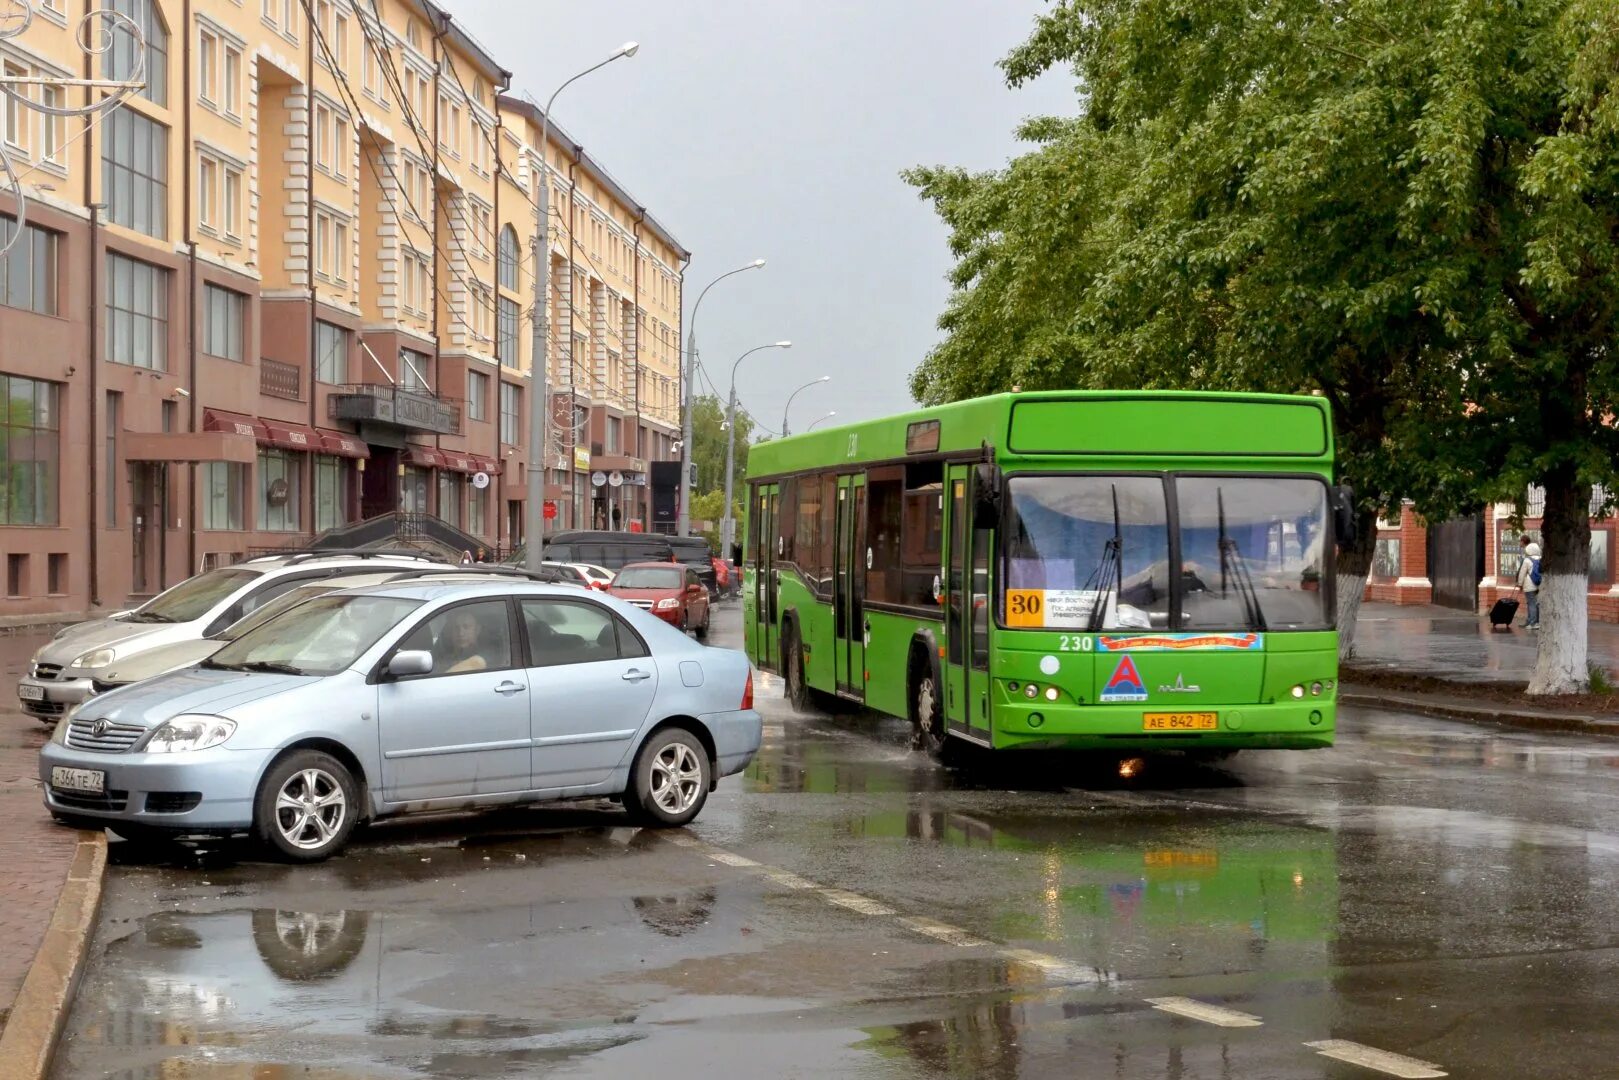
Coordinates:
(669, 591)
(599, 547)
(693, 551)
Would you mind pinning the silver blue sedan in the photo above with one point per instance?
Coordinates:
(408, 697)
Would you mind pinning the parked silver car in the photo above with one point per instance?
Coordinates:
(163, 659)
(411, 696)
(63, 671)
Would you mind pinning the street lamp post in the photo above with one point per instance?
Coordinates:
(813, 382)
(727, 520)
(688, 372)
(828, 416)
(540, 384)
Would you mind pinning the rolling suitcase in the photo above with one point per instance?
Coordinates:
(1502, 612)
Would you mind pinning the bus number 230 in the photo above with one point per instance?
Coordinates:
(1074, 643)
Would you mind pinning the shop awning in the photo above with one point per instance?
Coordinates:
(426, 456)
(187, 446)
(291, 436)
(459, 462)
(235, 424)
(336, 442)
(485, 465)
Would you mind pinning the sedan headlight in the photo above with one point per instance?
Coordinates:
(668, 604)
(59, 736)
(98, 658)
(189, 733)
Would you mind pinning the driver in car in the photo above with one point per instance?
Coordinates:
(464, 642)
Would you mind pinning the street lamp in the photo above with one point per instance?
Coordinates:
(828, 416)
(687, 374)
(540, 389)
(727, 521)
(813, 382)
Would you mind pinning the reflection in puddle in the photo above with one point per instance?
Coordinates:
(675, 915)
(303, 945)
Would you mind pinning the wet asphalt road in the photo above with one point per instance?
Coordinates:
(848, 909)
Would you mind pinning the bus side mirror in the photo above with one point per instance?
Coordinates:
(986, 497)
(1343, 514)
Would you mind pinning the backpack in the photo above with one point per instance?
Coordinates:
(1534, 572)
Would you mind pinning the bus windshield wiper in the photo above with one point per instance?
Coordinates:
(1109, 572)
(1232, 565)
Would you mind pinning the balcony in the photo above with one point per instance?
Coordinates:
(378, 404)
(279, 380)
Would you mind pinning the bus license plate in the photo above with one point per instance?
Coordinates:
(92, 781)
(1179, 721)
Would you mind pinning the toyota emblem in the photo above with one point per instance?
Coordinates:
(99, 728)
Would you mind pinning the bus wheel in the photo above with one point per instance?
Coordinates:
(792, 670)
(927, 717)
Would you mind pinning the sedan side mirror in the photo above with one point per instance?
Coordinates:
(410, 662)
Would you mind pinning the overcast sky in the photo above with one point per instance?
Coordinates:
(777, 130)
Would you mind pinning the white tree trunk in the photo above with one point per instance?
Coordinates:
(1560, 663)
(1351, 588)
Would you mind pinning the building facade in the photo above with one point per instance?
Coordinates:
(289, 285)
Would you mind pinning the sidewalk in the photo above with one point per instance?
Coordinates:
(1449, 644)
(50, 888)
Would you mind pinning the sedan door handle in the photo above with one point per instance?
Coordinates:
(635, 675)
(509, 687)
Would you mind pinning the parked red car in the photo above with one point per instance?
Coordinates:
(672, 592)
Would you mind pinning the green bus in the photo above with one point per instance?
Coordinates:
(1123, 571)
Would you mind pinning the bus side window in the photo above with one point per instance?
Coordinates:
(922, 533)
(885, 496)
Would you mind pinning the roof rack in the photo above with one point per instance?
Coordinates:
(548, 577)
(295, 557)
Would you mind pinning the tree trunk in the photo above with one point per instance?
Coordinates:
(1354, 568)
(1565, 549)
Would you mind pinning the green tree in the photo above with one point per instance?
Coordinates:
(1375, 200)
(709, 440)
(709, 507)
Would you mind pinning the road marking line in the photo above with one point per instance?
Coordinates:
(679, 840)
(855, 902)
(1383, 1061)
(788, 878)
(1057, 968)
(730, 860)
(942, 932)
(1209, 1014)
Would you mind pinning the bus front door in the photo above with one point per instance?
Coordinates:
(848, 572)
(764, 574)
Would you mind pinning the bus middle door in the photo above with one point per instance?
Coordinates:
(764, 538)
(848, 574)
(956, 597)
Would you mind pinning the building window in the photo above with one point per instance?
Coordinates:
(50, 127)
(511, 407)
(477, 511)
(279, 491)
(477, 395)
(508, 258)
(208, 193)
(221, 484)
(331, 492)
(223, 317)
(1386, 557)
(340, 39)
(323, 139)
(28, 270)
(506, 331)
(118, 62)
(208, 47)
(413, 370)
(135, 172)
(331, 353)
(233, 203)
(30, 451)
(16, 112)
(614, 430)
(340, 146)
(114, 423)
(233, 80)
(451, 496)
(137, 312)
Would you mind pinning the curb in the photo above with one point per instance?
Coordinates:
(40, 1011)
(1497, 717)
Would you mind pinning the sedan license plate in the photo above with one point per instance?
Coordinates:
(1179, 721)
(93, 781)
(30, 693)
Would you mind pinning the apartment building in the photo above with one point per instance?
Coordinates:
(289, 285)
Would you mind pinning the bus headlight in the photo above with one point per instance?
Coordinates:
(1031, 691)
(1298, 690)
(1051, 693)
(1315, 689)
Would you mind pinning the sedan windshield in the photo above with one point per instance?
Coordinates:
(260, 616)
(192, 598)
(320, 637)
(649, 577)
(1094, 553)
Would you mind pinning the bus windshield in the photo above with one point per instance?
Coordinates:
(1094, 553)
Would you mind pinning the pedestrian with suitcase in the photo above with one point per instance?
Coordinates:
(1529, 582)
